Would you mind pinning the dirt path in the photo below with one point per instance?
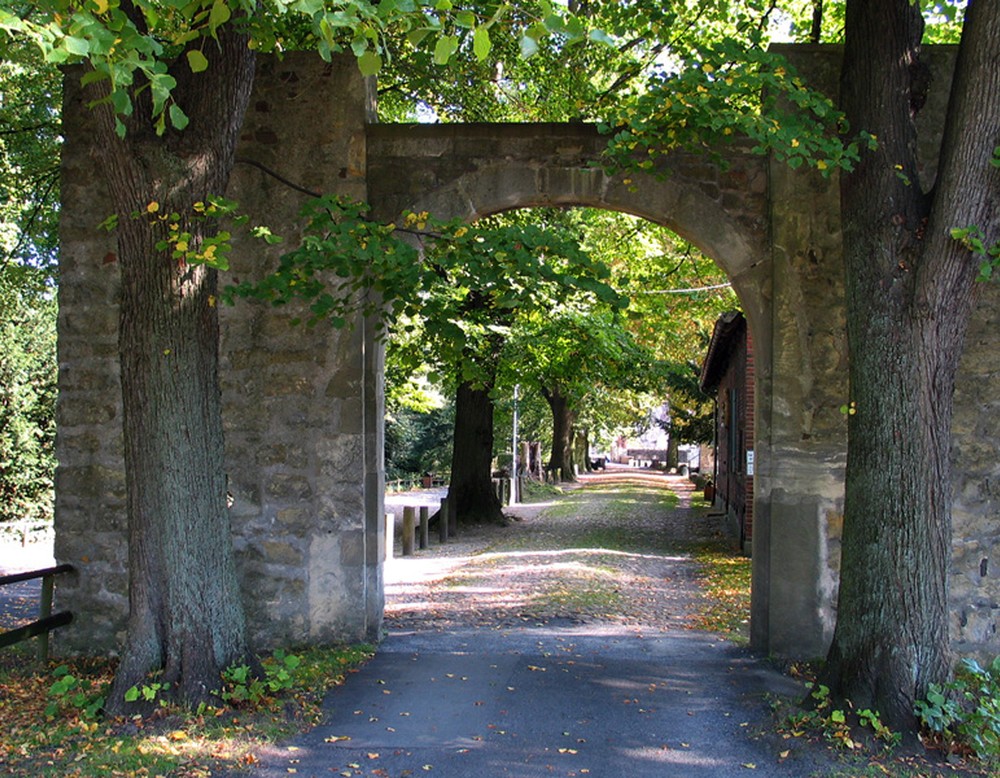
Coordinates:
(617, 550)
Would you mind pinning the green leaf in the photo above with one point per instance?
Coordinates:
(197, 61)
(308, 7)
(465, 19)
(416, 37)
(220, 15)
(77, 46)
(529, 46)
(444, 48)
(481, 43)
(369, 63)
(131, 695)
(599, 36)
(178, 118)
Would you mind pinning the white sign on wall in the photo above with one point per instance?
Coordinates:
(749, 461)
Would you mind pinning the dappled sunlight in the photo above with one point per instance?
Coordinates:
(555, 553)
(622, 549)
(679, 754)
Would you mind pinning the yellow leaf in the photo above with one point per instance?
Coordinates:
(153, 207)
(178, 734)
(102, 6)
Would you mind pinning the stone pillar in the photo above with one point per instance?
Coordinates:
(802, 436)
(302, 407)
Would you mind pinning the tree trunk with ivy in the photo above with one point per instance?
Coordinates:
(910, 292)
(186, 618)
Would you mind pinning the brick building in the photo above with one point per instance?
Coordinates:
(728, 375)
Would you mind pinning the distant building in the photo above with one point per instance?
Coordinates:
(728, 375)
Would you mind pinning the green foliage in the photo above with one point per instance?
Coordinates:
(967, 709)
(835, 724)
(463, 285)
(418, 442)
(30, 96)
(148, 692)
(574, 351)
(134, 49)
(973, 239)
(27, 393)
(244, 686)
(726, 91)
(63, 733)
(69, 691)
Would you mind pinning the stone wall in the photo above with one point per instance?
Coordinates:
(302, 407)
(975, 569)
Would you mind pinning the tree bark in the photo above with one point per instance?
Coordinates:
(673, 453)
(186, 616)
(470, 492)
(563, 419)
(583, 449)
(910, 290)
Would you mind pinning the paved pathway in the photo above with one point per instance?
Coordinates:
(542, 650)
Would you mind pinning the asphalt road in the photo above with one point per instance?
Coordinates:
(478, 677)
(545, 700)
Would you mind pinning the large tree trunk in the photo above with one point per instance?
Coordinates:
(673, 452)
(582, 451)
(563, 419)
(470, 492)
(186, 616)
(909, 297)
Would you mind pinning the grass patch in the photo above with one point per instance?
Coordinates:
(536, 491)
(49, 731)
(725, 580)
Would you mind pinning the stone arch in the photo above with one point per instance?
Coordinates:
(472, 171)
(302, 410)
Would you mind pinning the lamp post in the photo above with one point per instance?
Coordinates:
(514, 481)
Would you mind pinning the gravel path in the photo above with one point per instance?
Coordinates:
(617, 550)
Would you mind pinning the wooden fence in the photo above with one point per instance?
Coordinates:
(47, 621)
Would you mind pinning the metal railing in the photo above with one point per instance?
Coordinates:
(47, 621)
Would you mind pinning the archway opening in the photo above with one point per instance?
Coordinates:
(661, 432)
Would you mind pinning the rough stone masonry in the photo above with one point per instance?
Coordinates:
(303, 407)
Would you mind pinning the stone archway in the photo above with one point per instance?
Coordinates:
(474, 170)
(303, 409)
